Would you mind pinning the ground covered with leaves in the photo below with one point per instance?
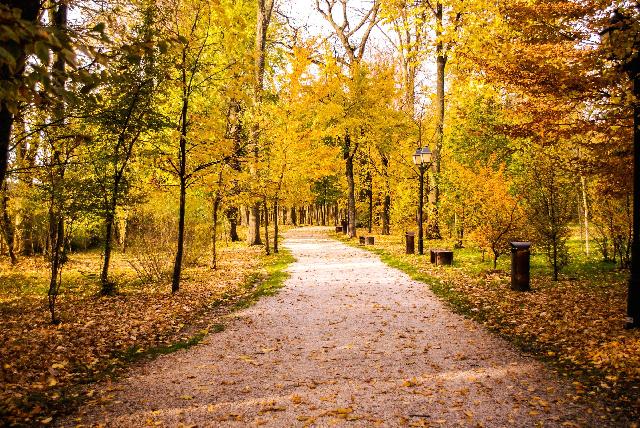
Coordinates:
(45, 366)
(575, 324)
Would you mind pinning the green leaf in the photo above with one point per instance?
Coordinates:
(42, 51)
(8, 34)
(8, 59)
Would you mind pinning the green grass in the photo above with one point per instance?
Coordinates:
(269, 282)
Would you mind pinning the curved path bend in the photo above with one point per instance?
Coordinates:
(348, 341)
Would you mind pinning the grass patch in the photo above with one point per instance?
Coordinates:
(269, 282)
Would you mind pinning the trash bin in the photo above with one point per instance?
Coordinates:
(433, 252)
(410, 240)
(520, 264)
(371, 240)
(444, 258)
(361, 240)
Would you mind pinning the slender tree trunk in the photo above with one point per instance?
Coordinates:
(294, 217)
(386, 208)
(441, 62)
(182, 175)
(370, 195)
(7, 226)
(351, 213)
(266, 226)
(585, 213)
(275, 224)
(232, 217)
(107, 286)
(386, 205)
(56, 265)
(263, 19)
(214, 234)
(177, 265)
(555, 259)
(56, 209)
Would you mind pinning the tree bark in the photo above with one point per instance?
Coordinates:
(351, 214)
(107, 286)
(386, 205)
(263, 19)
(266, 226)
(275, 225)
(177, 265)
(30, 11)
(182, 175)
(254, 225)
(370, 197)
(7, 226)
(214, 233)
(441, 62)
(232, 217)
(58, 169)
(585, 212)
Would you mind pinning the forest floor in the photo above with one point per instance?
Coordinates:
(347, 340)
(48, 369)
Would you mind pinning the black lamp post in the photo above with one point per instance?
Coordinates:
(622, 39)
(422, 158)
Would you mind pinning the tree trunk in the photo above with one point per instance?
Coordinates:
(177, 265)
(386, 205)
(232, 217)
(386, 208)
(182, 175)
(107, 286)
(555, 259)
(370, 196)
(214, 234)
(254, 225)
(294, 217)
(30, 10)
(441, 62)
(275, 225)
(585, 213)
(7, 226)
(263, 18)
(351, 191)
(58, 167)
(266, 226)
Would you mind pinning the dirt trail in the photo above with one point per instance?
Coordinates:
(347, 341)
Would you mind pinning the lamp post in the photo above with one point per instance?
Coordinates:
(621, 37)
(421, 158)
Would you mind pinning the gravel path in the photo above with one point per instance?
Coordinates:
(348, 341)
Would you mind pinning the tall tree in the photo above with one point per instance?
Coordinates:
(263, 19)
(353, 39)
(125, 113)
